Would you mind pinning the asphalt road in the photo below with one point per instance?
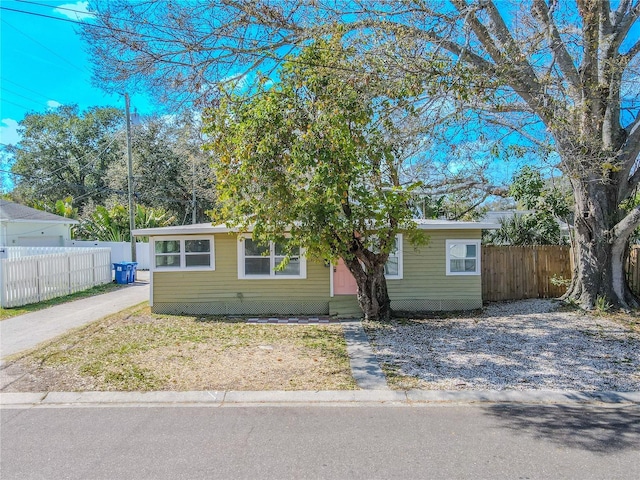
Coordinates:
(482, 441)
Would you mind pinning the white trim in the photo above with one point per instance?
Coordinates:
(464, 241)
(331, 273)
(272, 275)
(150, 288)
(182, 253)
(208, 228)
(400, 255)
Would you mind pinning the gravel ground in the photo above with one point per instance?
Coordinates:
(529, 344)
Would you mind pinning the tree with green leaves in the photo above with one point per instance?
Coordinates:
(526, 229)
(66, 153)
(316, 159)
(112, 224)
(170, 169)
(63, 207)
(549, 200)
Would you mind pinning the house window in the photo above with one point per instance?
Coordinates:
(261, 261)
(190, 253)
(463, 257)
(393, 267)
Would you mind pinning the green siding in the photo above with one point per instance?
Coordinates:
(425, 275)
(425, 285)
(222, 284)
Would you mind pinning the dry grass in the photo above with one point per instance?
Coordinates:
(139, 351)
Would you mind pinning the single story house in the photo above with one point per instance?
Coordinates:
(207, 269)
(22, 226)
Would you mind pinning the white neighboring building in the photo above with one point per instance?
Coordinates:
(22, 226)
(494, 216)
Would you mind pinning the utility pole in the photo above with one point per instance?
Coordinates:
(132, 217)
(193, 191)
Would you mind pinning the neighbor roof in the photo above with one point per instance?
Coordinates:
(14, 212)
(208, 228)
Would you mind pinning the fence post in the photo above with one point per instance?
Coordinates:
(69, 274)
(3, 295)
(38, 277)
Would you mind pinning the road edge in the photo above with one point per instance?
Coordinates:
(411, 398)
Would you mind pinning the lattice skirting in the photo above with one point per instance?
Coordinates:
(276, 308)
(244, 308)
(426, 305)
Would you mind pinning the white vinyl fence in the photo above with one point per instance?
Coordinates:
(35, 274)
(120, 251)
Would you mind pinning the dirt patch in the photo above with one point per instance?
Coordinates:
(140, 351)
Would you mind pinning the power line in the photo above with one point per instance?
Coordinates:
(57, 183)
(266, 43)
(56, 8)
(132, 21)
(43, 46)
(85, 24)
(19, 95)
(17, 104)
(25, 88)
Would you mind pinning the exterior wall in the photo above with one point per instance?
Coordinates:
(221, 292)
(425, 286)
(19, 234)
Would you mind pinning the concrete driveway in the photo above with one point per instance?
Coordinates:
(26, 331)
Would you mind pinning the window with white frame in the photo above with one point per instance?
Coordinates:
(393, 267)
(261, 261)
(188, 253)
(463, 257)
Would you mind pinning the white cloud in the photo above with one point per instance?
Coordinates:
(74, 11)
(53, 104)
(9, 131)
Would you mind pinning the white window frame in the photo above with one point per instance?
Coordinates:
(183, 254)
(399, 253)
(463, 241)
(272, 273)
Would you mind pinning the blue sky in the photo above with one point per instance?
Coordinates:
(44, 63)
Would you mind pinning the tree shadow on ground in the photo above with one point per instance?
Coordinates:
(598, 429)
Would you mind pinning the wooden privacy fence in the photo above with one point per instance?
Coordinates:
(35, 278)
(513, 273)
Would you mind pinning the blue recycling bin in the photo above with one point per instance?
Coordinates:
(122, 273)
(132, 267)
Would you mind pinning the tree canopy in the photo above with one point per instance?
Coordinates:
(69, 162)
(170, 169)
(318, 158)
(66, 153)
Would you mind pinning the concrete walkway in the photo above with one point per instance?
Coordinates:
(364, 364)
(26, 331)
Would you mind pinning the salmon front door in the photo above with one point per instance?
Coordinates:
(343, 281)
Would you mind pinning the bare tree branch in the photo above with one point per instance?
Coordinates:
(557, 45)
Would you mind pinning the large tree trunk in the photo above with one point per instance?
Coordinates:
(599, 270)
(372, 289)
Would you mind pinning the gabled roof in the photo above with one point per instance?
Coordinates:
(14, 212)
(208, 228)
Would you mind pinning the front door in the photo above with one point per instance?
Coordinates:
(343, 281)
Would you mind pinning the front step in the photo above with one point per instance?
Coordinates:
(345, 306)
